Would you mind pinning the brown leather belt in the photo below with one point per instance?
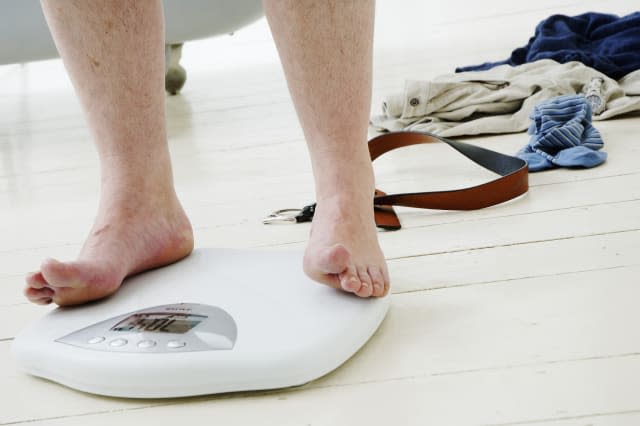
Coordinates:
(513, 182)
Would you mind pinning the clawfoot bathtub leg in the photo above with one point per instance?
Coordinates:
(175, 74)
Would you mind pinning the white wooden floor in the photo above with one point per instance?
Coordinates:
(521, 314)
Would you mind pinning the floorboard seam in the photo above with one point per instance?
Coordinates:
(556, 419)
(481, 219)
(501, 281)
(539, 185)
(523, 243)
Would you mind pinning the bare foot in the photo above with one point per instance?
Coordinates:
(343, 250)
(130, 235)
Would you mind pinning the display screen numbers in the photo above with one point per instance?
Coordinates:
(159, 323)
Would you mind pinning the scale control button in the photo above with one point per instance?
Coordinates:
(176, 344)
(145, 344)
(95, 340)
(118, 342)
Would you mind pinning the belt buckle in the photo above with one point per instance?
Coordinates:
(282, 216)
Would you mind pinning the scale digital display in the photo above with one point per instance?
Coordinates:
(159, 322)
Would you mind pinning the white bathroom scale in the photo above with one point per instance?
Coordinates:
(218, 321)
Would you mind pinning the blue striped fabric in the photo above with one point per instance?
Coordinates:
(562, 135)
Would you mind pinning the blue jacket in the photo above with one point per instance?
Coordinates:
(608, 43)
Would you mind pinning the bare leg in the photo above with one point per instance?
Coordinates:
(114, 52)
(326, 51)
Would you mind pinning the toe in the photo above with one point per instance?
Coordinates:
(349, 280)
(387, 280)
(377, 279)
(59, 274)
(37, 289)
(37, 294)
(366, 288)
(36, 280)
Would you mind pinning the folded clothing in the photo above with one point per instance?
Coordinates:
(562, 135)
(607, 43)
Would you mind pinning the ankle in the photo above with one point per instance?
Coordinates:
(342, 208)
(338, 197)
(129, 198)
(142, 183)
(342, 193)
(346, 183)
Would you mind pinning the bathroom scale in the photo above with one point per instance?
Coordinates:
(217, 321)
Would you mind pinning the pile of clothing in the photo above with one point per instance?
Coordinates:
(588, 66)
